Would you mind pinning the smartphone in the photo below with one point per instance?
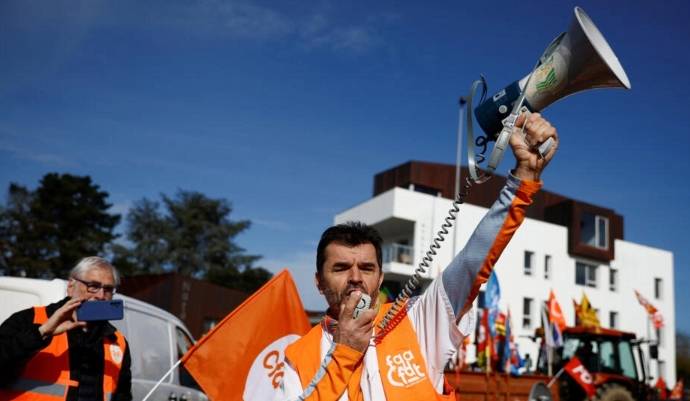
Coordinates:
(362, 305)
(92, 311)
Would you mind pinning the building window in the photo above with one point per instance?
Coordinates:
(586, 274)
(529, 263)
(425, 189)
(527, 312)
(658, 288)
(547, 267)
(594, 230)
(613, 280)
(613, 319)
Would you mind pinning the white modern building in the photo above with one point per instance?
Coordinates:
(564, 245)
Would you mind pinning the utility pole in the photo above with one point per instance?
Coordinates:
(458, 164)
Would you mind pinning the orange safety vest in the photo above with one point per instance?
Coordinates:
(401, 364)
(46, 377)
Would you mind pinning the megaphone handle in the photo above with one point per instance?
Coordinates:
(504, 138)
(545, 147)
(499, 148)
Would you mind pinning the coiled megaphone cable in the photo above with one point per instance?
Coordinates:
(394, 314)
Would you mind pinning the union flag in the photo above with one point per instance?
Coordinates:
(654, 314)
(661, 386)
(586, 314)
(677, 392)
(241, 358)
(581, 375)
(555, 314)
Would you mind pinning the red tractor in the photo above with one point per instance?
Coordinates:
(614, 359)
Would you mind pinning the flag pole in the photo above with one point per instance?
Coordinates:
(549, 344)
(553, 379)
(161, 380)
(458, 164)
(649, 351)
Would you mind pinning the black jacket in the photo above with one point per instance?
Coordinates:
(20, 341)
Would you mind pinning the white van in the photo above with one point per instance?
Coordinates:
(156, 338)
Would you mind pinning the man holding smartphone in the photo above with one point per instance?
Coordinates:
(347, 357)
(46, 354)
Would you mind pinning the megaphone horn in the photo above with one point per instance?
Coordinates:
(577, 60)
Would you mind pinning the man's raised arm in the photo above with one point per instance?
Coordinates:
(473, 265)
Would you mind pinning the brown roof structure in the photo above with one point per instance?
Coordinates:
(439, 179)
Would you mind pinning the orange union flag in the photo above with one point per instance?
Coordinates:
(677, 392)
(241, 358)
(654, 314)
(555, 314)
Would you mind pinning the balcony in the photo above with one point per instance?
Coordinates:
(398, 261)
(398, 253)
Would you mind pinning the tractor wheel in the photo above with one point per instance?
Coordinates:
(613, 392)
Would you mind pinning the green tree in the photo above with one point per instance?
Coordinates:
(44, 232)
(193, 235)
(19, 248)
(150, 232)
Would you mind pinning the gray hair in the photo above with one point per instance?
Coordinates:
(94, 262)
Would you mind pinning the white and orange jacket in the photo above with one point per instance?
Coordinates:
(408, 363)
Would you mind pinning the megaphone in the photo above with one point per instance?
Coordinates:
(577, 60)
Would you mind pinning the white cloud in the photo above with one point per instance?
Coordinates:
(319, 31)
(355, 39)
(51, 160)
(249, 20)
(310, 25)
(246, 19)
(237, 18)
(314, 24)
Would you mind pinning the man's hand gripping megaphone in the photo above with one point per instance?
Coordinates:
(532, 135)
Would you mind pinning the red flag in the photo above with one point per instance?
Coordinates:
(581, 375)
(241, 358)
(555, 314)
(677, 392)
(661, 386)
(654, 314)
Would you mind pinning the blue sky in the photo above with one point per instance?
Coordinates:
(288, 109)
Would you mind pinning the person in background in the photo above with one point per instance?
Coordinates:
(47, 355)
(527, 361)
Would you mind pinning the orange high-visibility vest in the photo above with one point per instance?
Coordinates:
(46, 377)
(401, 365)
